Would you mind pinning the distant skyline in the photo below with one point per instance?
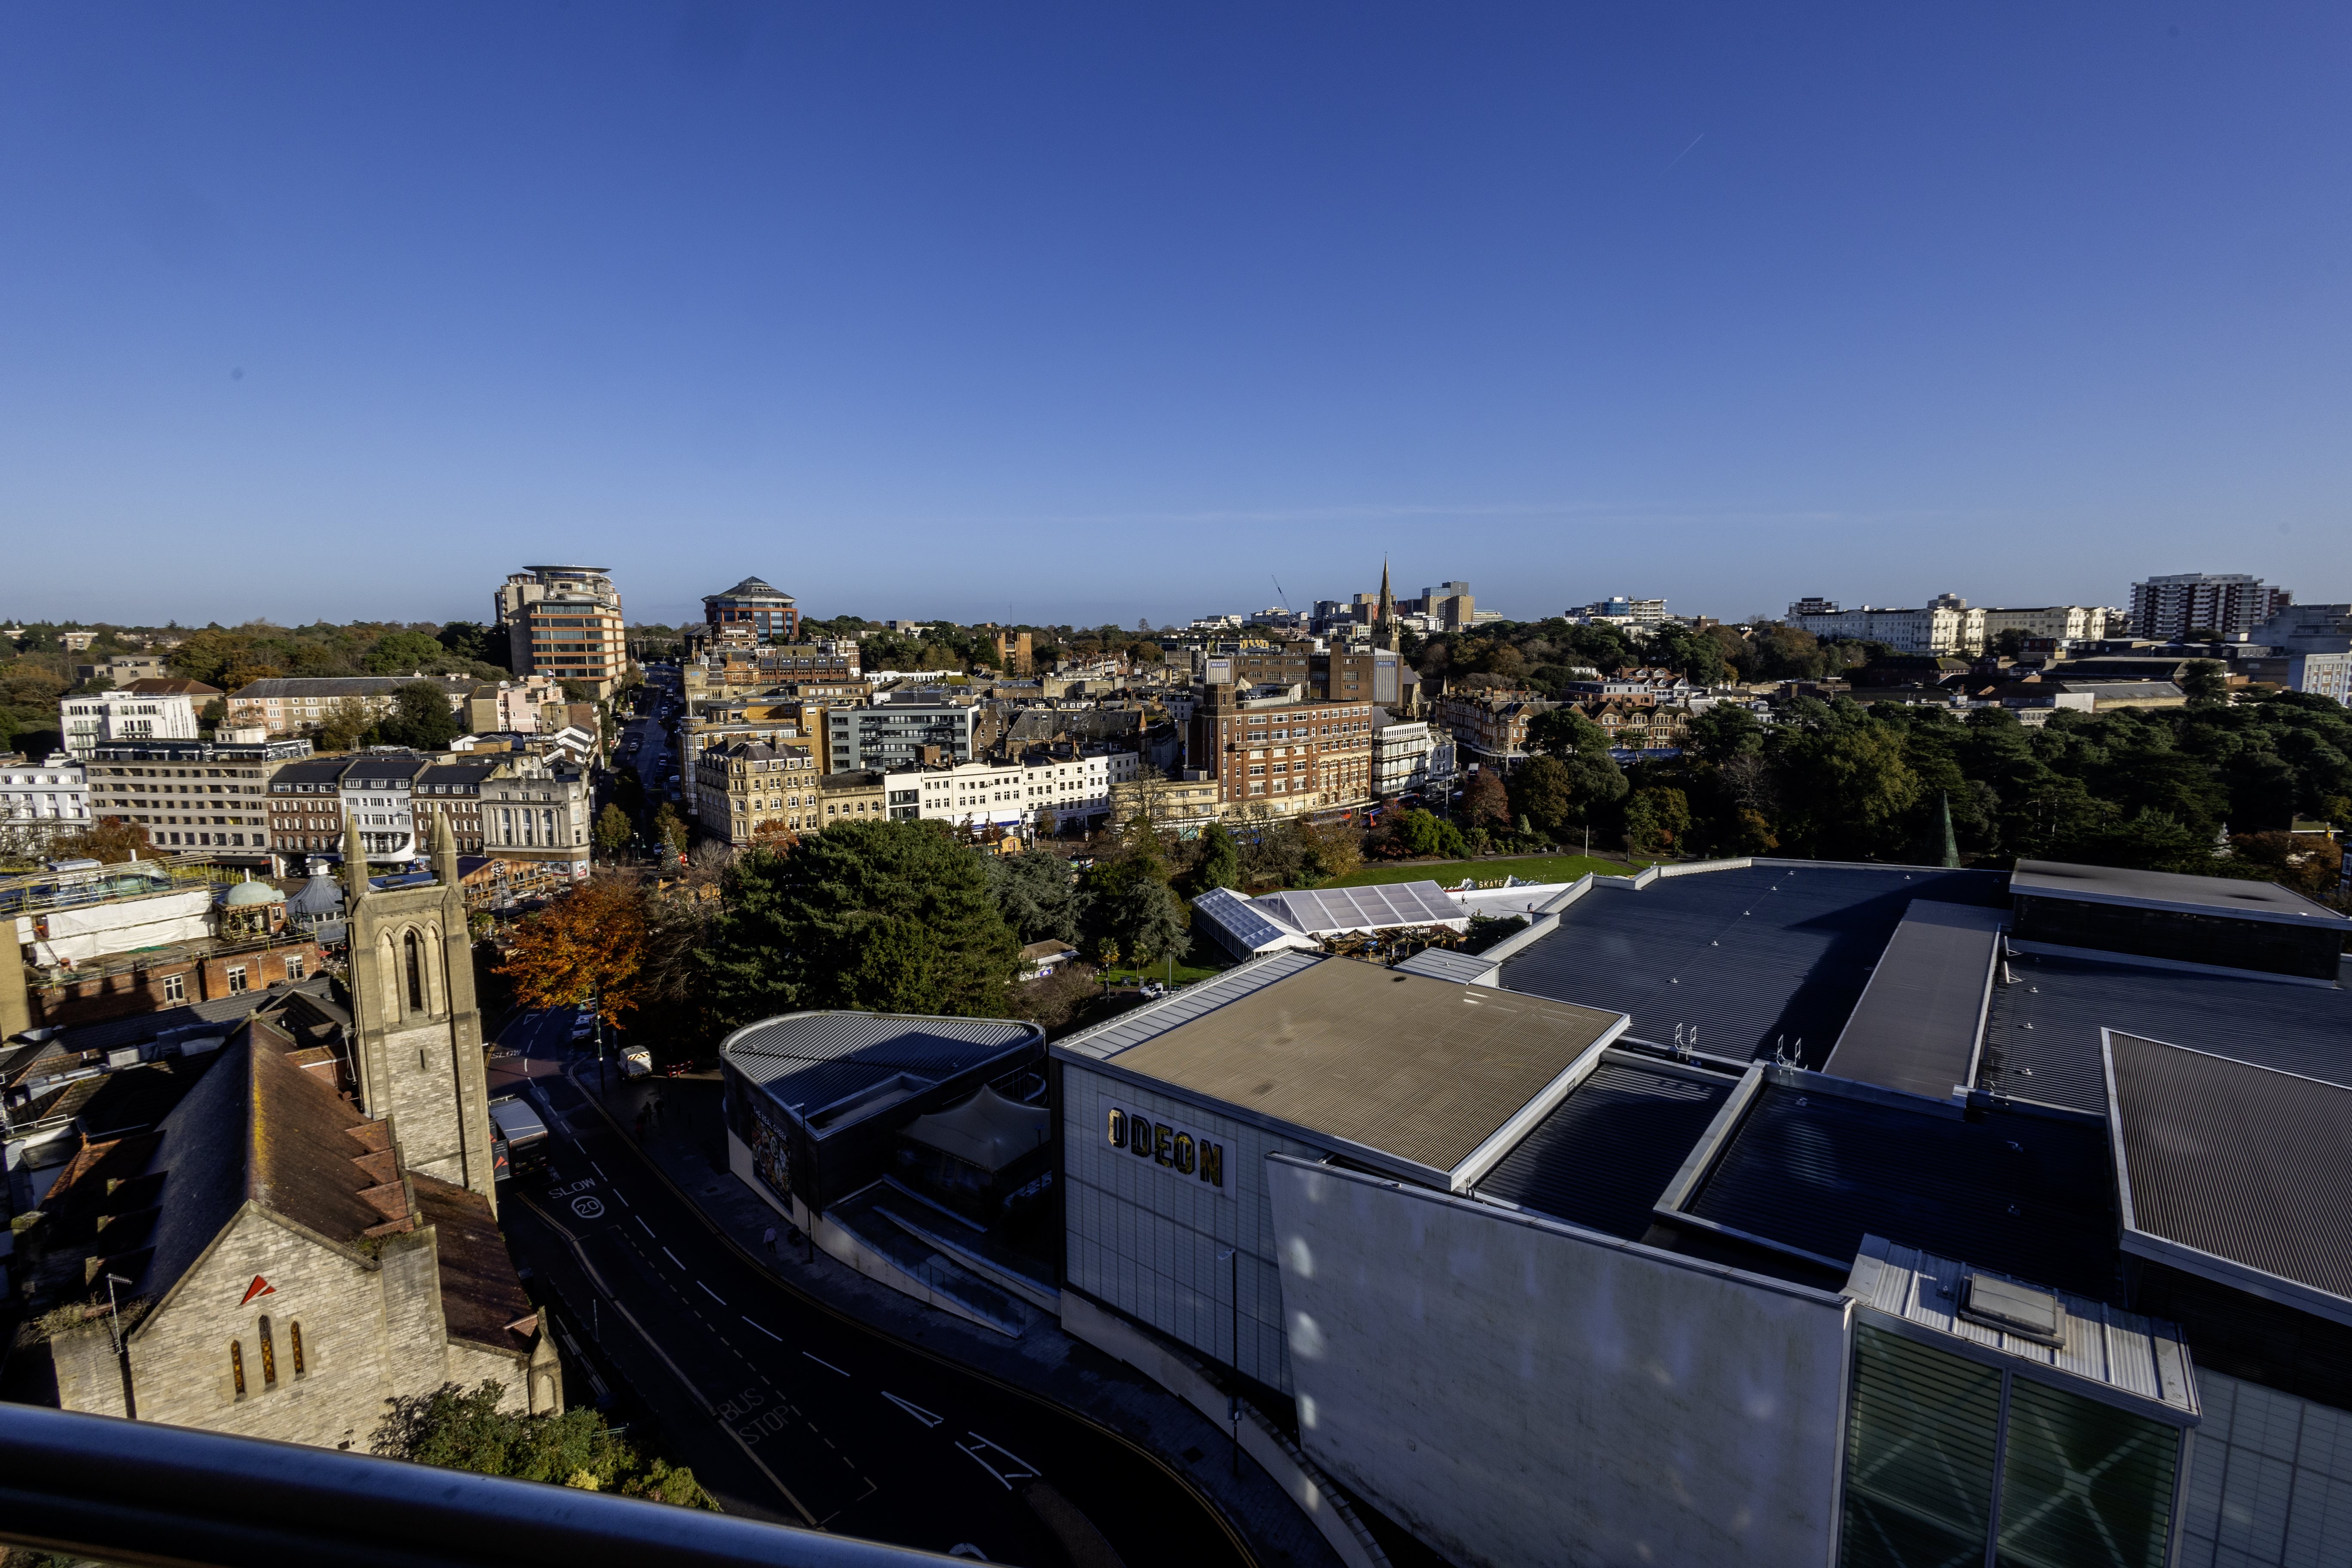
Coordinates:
(1057, 314)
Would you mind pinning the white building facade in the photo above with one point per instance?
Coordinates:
(40, 803)
(1039, 790)
(1946, 626)
(129, 715)
(1400, 758)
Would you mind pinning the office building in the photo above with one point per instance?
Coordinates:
(1400, 758)
(1944, 626)
(1279, 750)
(203, 795)
(751, 608)
(2223, 602)
(1045, 789)
(146, 710)
(2304, 648)
(564, 622)
(1621, 611)
(892, 737)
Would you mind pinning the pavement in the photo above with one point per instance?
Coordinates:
(801, 1392)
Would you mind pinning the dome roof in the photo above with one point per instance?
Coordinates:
(246, 894)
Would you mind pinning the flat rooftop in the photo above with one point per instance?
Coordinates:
(2042, 1036)
(1605, 1154)
(1422, 1071)
(1808, 1170)
(809, 1061)
(1915, 1028)
(2236, 1173)
(1756, 958)
(2223, 896)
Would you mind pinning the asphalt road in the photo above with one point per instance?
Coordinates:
(789, 1412)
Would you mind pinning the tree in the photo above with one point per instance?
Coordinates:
(589, 943)
(343, 724)
(1655, 820)
(1581, 747)
(612, 830)
(669, 829)
(1424, 833)
(1544, 793)
(468, 641)
(461, 1430)
(1332, 850)
(110, 839)
(420, 717)
(1722, 732)
(1221, 862)
(2205, 681)
(1485, 801)
(1038, 895)
(891, 917)
(402, 651)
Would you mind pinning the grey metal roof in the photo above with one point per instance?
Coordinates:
(1240, 922)
(1754, 957)
(2236, 1173)
(1444, 964)
(2117, 1350)
(2226, 896)
(1607, 1153)
(811, 1060)
(1915, 1028)
(1378, 907)
(1106, 1040)
(2041, 1036)
(1813, 1169)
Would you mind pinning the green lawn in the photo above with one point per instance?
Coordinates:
(1526, 867)
(1186, 973)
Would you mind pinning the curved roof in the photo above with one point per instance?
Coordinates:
(247, 894)
(750, 588)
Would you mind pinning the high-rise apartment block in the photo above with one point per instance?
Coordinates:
(564, 622)
(2227, 602)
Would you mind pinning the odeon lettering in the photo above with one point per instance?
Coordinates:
(1179, 1151)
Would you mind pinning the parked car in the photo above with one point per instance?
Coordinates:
(584, 1026)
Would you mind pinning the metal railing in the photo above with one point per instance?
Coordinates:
(140, 1492)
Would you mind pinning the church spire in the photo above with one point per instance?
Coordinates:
(1384, 616)
(445, 850)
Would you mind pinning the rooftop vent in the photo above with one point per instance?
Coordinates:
(2014, 1308)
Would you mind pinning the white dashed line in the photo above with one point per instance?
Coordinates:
(707, 1289)
(770, 1332)
(822, 1362)
(641, 1220)
(598, 1169)
(672, 1256)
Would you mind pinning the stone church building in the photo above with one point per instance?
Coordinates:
(311, 1230)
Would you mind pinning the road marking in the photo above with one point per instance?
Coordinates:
(974, 1457)
(824, 1364)
(1021, 1469)
(916, 1411)
(672, 1256)
(770, 1332)
(641, 1220)
(707, 1290)
(598, 1169)
(616, 1192)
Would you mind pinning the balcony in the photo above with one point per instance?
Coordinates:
(136, 1491)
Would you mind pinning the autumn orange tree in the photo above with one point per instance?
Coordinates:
(590, 942)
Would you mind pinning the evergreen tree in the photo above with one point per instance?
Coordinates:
(892, 917)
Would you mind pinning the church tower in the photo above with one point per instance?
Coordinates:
(1385, 630)
(416, 1034)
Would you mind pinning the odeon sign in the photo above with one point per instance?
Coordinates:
(1179, 1151)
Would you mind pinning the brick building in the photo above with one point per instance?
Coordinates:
(1288, 756)
(1491, 727)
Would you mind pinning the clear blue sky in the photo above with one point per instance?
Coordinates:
(1100, 311)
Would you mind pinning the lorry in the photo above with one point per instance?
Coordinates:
(518, 1139)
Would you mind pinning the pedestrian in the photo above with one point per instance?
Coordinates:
(641, 1126)
(768, 1240)
(658, 1109)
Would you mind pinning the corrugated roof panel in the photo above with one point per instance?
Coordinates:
(1753, 957)
(1444, 964)
(2141, 1356)
(1150, 1021)
(1239, 918)
(2041, 1038)
(1603, 1156)
(1376, 907)
(2240, 1162)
